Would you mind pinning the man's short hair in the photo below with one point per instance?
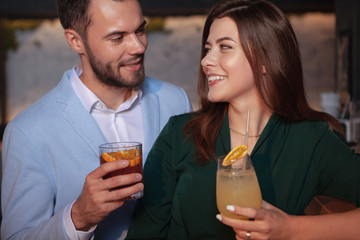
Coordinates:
(74, 14)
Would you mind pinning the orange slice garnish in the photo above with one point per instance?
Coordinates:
(126, 154)
(235, 154)
(134, 162)
(107, 157)
(131, 153)
(133, 156)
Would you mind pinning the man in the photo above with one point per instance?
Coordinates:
(53, 186)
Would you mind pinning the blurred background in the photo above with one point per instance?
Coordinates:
(34, 53)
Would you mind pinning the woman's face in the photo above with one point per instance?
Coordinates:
(230, 77)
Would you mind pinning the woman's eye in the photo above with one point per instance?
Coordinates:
(206, 50)
(224, 47)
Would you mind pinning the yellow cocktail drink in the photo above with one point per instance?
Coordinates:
(237, 184)
(239, 188)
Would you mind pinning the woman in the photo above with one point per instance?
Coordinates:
(250, 61)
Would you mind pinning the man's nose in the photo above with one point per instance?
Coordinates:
(137, 44)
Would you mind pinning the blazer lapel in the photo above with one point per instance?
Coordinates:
(151, 114)
(76, 115)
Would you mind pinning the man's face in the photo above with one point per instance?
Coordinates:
(116, 42)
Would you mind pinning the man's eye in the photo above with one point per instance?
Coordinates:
(140, 31)
(117, 39)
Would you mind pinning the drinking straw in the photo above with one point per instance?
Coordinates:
(247, 128)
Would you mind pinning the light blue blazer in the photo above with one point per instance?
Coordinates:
(50, 147)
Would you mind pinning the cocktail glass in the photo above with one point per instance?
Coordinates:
(130, 151)
(237, 184)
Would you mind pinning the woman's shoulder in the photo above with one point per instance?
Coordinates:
(310, 125)
(303, 125)
(182, 119)
(176, 124)
(312, 130)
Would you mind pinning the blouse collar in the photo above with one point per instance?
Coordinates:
(223, 145)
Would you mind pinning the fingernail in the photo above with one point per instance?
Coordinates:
(219, 217)
(138, 176)
(230, 208)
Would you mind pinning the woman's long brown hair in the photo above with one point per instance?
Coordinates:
(267, 39)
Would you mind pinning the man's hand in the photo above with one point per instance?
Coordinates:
(97, 201)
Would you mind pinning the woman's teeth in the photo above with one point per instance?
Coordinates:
(213, 78)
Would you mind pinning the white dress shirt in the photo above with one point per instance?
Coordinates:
(124, 124)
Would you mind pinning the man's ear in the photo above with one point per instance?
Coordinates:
(75, 41)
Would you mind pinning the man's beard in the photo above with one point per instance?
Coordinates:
(108, 76)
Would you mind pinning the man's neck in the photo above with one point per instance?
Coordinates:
(111, 96)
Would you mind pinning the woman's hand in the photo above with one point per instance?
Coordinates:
(270, 222)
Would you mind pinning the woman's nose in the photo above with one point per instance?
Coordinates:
(208, 60)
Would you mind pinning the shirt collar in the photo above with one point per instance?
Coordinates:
(91, 101)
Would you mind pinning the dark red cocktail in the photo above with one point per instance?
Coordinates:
(130, 151)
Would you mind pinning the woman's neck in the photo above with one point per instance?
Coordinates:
(259, 116)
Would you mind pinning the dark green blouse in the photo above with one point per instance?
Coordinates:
(293, 162)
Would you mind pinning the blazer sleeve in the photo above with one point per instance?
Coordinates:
(27, 190)
(152, 214)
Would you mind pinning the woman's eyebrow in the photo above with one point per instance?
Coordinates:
(225, 38)
(221, 39)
